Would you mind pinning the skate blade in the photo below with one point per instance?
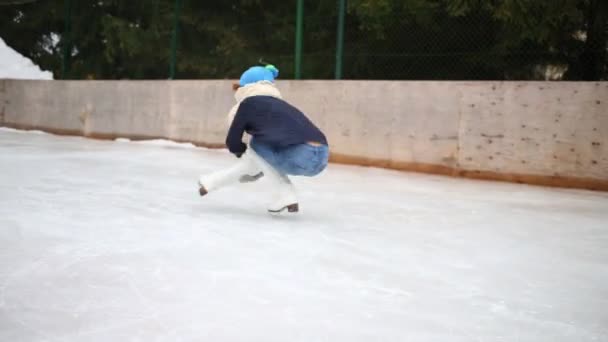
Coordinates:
(250, 178)
(292, 208)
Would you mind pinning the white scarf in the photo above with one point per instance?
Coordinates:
(262, 88)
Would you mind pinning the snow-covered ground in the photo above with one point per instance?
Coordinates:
(109, 241)
(16, 66)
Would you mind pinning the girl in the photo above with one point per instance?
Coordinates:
(283, 141)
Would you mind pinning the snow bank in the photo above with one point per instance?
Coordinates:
(14, 65)
(21, 131)
(160, 143)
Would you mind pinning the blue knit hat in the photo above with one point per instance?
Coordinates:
(259, 73)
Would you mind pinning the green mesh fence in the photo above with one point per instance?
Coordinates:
(382, 39)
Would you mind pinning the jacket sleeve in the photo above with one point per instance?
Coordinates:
(234, 139)
(232, 114)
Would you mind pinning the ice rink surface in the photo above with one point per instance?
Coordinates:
(109, 241)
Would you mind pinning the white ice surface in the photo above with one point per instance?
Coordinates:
(109, 241)
(16, 66)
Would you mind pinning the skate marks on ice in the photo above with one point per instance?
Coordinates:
(105, 240)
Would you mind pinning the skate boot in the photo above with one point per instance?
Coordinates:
(286, 196)
(241, 172)
(285, 192)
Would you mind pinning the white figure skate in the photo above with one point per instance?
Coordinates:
(250, 168)
(285, 197)
(244, 171)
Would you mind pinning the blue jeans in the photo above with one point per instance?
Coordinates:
(296, 160)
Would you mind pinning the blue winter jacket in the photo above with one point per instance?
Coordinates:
(271, 121)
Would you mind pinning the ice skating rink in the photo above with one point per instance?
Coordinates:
(109, 241)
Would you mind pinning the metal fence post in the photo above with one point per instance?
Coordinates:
(299, 34)
(340, 38)
(66, 39)
(174, 39)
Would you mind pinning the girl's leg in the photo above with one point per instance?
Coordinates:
(246, 166)
(266, 159)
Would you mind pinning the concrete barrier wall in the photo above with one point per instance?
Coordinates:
(548, 133)
(179, 110)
